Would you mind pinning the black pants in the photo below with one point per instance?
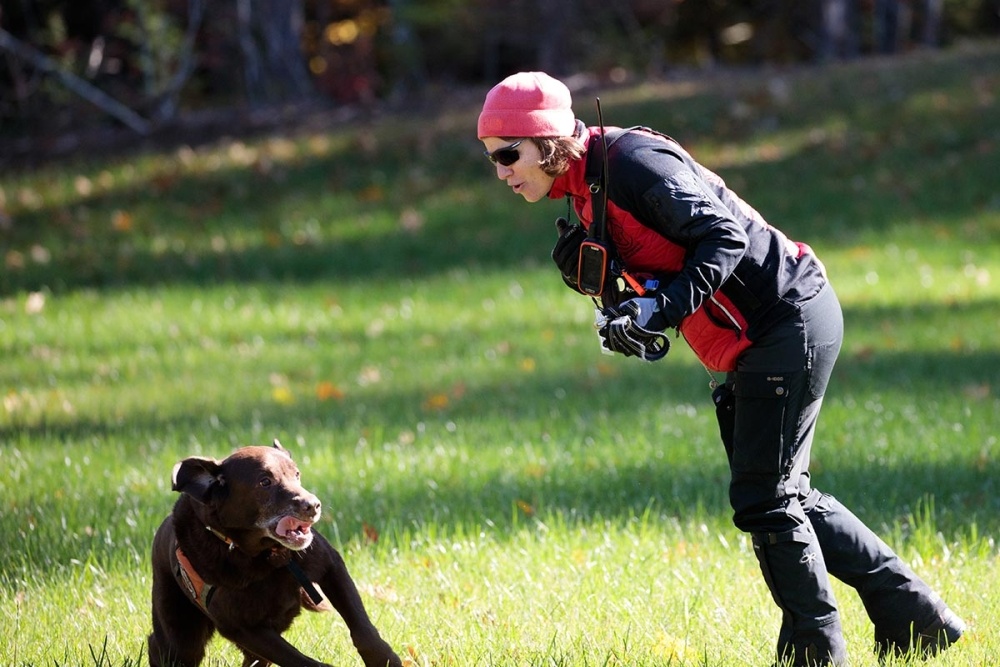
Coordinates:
(768, 410)
(778, 387)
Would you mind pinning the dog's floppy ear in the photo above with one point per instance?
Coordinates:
(277, 445)
(197, 476)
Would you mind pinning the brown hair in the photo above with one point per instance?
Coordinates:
(558, 153)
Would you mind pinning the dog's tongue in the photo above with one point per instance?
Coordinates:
(290, 527)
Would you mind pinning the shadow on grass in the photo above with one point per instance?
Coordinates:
(401, 509)
(685, 486)
(941, 374)
(844, 184)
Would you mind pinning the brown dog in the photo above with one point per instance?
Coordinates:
(238, 555)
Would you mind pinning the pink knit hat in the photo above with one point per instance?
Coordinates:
(528, 104)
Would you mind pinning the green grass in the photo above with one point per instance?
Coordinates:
(503, 494)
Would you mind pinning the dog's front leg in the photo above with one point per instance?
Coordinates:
(336, 582)
(270, 646)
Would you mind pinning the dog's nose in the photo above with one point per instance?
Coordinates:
(309, 505)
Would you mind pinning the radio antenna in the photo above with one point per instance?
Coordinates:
(604, 174)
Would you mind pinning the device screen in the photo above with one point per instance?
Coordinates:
(593, 268)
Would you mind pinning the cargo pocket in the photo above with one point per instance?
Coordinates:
(765, 429)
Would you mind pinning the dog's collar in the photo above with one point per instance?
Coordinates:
(231, 543)
(227, 540)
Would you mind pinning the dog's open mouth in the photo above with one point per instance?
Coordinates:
(293, 533)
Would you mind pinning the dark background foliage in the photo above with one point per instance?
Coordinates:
(72, 69)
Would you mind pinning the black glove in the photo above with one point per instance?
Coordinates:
(635, 329)
(644, 312)
(566, 252)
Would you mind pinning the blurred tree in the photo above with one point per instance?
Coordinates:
(656, 20)
(887, 20)
(274, 68)
(989, 16)
(352, 50)
(900, 24)
(552, 40)
(407, 71)
(167, 56)
(840, 35)
(160, 58)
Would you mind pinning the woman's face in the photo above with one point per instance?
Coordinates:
(525, 176)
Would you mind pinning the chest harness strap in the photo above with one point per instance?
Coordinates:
(201, 592)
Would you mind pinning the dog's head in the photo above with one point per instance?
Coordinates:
(255, 493)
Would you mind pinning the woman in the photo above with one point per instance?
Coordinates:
(751, 304)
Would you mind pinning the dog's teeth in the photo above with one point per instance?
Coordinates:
(292, 528)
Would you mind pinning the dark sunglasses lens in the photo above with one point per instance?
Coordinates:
(505, 156)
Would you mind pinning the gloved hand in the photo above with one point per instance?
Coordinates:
(566, 252)
(635, 329)
(645, 312)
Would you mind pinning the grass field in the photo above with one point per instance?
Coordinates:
(503, 493)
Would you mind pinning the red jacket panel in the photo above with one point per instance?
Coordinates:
(669, 215)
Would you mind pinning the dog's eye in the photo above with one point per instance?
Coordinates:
(298, 475)
(265, 482)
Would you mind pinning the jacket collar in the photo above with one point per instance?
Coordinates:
(573, 183)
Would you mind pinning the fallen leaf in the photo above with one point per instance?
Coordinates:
(40, 254)
(121, 221)
(978, 392)
(83, 186)
(371, 194)
(35, 303)
(326, 391)
(411, 220)
(436, 402)
(13, 260)
(525, 507)
(282, 395)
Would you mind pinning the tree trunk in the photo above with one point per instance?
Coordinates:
(839, 24)
(932, 22)
(94, 95)
(274, 68)
(409, 75)
(552, 36)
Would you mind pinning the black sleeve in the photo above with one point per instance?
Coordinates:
(670, 196)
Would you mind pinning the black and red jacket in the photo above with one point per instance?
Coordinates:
(731, 273)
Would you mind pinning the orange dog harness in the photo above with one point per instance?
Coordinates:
(201, 592)
(192, 583)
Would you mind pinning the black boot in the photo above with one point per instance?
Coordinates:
(907, 614)
(793, 567)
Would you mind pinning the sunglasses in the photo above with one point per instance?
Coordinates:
(506, 156)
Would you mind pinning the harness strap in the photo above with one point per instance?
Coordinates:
(597, 180)
(308, 587)
(191, 582)
(201, 592)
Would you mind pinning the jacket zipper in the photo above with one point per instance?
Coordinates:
(729, 316)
